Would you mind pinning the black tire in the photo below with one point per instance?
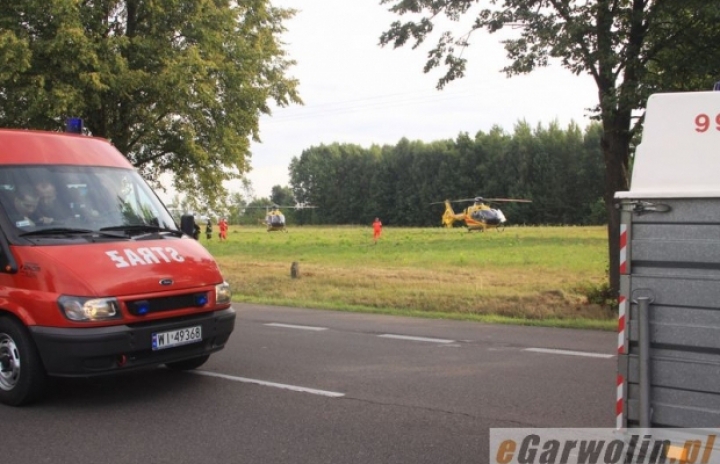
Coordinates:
(19, 386)
(188, 364)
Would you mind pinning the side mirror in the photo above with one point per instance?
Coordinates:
(187, 224)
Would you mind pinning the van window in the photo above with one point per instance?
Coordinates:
(34, 198)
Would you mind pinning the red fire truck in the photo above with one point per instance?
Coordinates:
(95, 276)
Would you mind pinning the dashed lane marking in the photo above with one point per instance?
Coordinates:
(291, 326)
(570, 353)
(264, 383)
(416, 339)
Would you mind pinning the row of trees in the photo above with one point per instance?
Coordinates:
(560, 170)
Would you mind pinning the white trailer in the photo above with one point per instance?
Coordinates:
(669, 317)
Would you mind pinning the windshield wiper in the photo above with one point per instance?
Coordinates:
(68, 231)
(140, 228)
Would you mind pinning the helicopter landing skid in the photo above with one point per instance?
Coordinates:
(499, 228)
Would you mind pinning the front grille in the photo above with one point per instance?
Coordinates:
(156, 305)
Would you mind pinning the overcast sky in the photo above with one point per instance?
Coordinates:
(357, 92)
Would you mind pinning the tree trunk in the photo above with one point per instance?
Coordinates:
(615, 145)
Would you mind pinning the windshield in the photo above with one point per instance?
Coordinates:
(45, 200)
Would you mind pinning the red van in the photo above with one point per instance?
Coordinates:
(95, 276)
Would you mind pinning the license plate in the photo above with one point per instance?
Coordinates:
(162, 340)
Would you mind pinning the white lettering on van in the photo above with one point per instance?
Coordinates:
(115, 256)
(144, 256)
(159, 251)
(148, 255)
(133, 258)
(175, 255)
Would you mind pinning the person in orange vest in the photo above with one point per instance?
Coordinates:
(223, 227)
(377, 229)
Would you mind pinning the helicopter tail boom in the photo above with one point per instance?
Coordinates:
(449, 217)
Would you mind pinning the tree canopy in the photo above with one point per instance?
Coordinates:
(176, 85)
(631, 48)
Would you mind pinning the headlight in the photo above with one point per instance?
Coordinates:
(89, 309)
(223, 294)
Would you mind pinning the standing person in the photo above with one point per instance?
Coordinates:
(208, 229)
(377, 229)
(223, 226)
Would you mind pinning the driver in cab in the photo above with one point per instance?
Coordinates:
(22, 210)
(49, 209)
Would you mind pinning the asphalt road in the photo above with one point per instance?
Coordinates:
(308, 386)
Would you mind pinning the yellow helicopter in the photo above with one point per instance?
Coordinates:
(275, 219)
(479, 216)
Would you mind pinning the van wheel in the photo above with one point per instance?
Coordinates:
(188, 364)
(22, 375)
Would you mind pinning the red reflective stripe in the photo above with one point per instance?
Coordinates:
(622, 314)
(623, 249)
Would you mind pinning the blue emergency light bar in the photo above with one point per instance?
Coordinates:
(74, 125)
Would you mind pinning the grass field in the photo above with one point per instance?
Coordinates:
(524, 275)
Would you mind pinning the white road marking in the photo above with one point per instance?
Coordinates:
(570, 353)
(301, 327)
(416, 339)
(312, 391)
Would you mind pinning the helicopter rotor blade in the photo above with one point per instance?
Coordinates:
(282, 207)
(451, 201)
(498, 200)
(508, 200)
(486, 200)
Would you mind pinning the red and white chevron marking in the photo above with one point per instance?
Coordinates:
(619, 402)
(622, 311)
(623, 249)
(622, 314)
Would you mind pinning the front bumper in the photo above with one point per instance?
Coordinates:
(71, 352)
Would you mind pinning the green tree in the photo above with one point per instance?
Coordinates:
(235, 206)
(312, 179)
(282, 196)
(591, 164)
(629, 47)
(177, 85)
(255, 211)
(382, 198)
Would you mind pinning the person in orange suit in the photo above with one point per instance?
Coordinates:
(377, 229)
(223, 228)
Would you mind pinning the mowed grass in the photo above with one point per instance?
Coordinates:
(523, 275)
